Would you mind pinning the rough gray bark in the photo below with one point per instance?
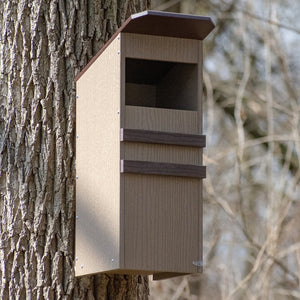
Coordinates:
(43, 45)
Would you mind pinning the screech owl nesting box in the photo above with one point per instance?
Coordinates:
(139, 149)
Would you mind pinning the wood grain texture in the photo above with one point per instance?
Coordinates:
(162, 153)
(161, 223)
(98, 154)
(158, 168)
(160, 48)
(160, 137)
(161, 119)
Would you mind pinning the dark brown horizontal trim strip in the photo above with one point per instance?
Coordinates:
(157, 168)
(160, 137)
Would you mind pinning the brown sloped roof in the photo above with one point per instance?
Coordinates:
(163, 24)
(169, 24)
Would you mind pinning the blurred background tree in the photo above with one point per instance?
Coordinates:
(251, 119)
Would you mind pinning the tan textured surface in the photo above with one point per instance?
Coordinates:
(161, 119)
(160, 48)
(97, 164)
(162, 153)
(161, 223)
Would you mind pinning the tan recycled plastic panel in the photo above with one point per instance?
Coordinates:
(98, 165)
(163, 153)
(161, 223)
(160, 48)
(161, 119)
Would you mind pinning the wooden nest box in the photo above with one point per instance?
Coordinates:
(139, 149)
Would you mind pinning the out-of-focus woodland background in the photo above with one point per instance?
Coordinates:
(251, 120)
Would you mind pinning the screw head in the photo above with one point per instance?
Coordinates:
(77, 217)
(112, 260)
(81, 266)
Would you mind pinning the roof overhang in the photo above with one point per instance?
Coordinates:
(169, 24)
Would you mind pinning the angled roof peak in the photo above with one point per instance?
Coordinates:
(162, 23)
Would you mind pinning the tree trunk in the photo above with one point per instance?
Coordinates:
(44, 44)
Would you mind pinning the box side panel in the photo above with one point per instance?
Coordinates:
(98, 165)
